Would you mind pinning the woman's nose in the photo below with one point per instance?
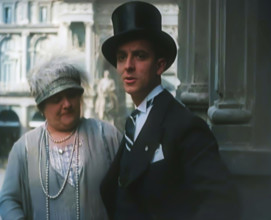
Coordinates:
(66, 102)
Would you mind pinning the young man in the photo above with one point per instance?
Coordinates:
(168, 165)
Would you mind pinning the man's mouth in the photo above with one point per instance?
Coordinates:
(129, 80)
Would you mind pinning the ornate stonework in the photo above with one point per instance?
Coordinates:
(46, 27)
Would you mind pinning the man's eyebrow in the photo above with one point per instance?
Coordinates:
(120, 52)
(140, 51)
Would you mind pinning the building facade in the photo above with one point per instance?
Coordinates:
(33, 30)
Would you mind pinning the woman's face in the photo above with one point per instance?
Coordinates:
(62, 110)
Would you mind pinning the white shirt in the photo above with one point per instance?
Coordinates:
(144, 111)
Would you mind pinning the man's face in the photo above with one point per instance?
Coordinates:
(139, 68)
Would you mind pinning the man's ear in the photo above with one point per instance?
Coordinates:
(161, 66)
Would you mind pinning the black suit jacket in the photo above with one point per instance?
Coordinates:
(191, 182)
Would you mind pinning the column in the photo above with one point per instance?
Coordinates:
(88, 50)
(34, 12)
(231, 80)
(22, 13)
(194, 54)
(170, 21)
(25, 35)
(1, 13)
(90, 61)
(64, 35)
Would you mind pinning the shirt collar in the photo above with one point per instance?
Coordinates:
(143, 105)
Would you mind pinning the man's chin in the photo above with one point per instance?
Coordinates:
(129, 90)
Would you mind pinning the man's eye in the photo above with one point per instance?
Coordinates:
(142, 56)
(120, 57)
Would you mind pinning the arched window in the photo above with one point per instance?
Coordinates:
(9, 130)
(37, 120)
(7, 15)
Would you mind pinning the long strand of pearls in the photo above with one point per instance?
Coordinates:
(77, 183)
(47, 173)
(47, 178)
(46, 187)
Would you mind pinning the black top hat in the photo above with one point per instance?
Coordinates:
(139, 20)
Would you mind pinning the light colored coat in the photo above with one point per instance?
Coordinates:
(22, 196)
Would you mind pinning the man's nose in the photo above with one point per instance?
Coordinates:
(129, 64)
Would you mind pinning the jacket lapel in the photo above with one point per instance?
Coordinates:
(135, 162)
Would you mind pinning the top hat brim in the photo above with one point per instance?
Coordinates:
(161, 40)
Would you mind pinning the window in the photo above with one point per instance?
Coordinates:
(78, 35)
(10, 74)
(7, 15)
(43, 14)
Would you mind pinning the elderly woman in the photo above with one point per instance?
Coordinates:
(54, 171)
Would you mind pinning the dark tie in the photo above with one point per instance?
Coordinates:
(130, 127)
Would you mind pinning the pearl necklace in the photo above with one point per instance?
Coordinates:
(62, 139)
(46, 187)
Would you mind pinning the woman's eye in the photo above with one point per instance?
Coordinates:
(55, 99)
(72, 95)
